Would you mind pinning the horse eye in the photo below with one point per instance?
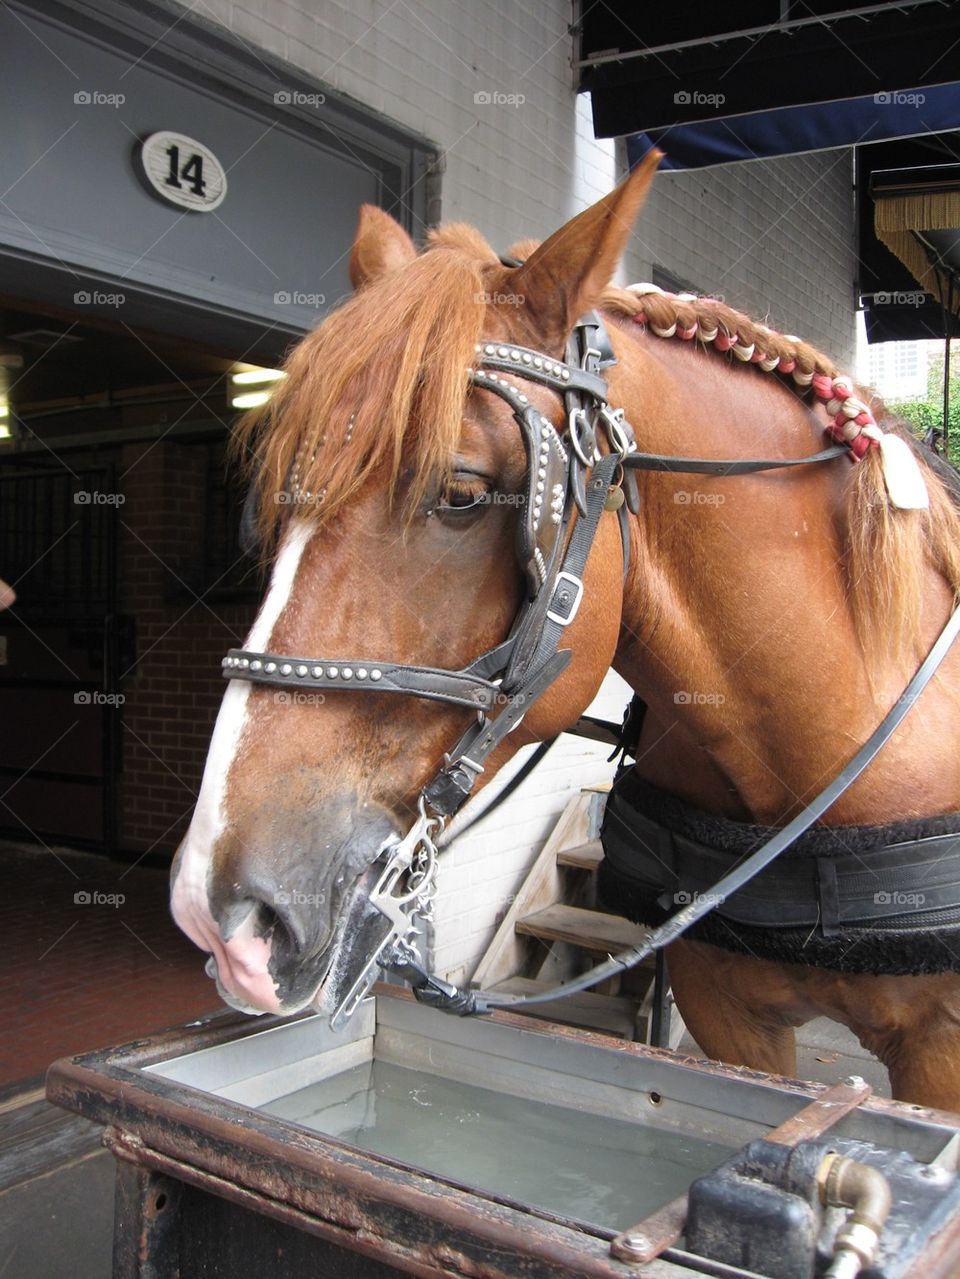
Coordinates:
(461, 494)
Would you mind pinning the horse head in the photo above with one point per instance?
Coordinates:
(397, 492)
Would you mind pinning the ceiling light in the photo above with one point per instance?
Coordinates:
(249, 399)
(256, 377)
(253, 377)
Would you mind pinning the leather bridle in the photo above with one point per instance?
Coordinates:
(565, 477)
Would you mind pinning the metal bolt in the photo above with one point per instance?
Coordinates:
(637, 1244)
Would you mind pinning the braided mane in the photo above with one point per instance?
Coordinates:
(710, 322)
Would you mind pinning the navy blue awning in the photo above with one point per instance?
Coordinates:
(794, 130)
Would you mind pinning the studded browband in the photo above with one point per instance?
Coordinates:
(460, 688)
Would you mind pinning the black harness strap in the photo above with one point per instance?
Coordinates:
(501, 797)
(546, 618)
(725, 466)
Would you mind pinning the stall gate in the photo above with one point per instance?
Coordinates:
(60, 655)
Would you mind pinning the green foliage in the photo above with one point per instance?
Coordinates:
(927, 414)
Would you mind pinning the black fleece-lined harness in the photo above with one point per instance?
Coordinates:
(857, 899)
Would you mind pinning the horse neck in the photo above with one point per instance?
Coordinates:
(737, 631)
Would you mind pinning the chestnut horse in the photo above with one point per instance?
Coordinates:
(768, 621)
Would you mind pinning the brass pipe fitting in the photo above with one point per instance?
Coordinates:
(845, 1183)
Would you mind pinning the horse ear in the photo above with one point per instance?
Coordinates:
(380, 245)
(568, 272)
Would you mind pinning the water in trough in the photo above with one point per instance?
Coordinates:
(572, 1163)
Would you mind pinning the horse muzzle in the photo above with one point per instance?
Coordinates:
(292, 926)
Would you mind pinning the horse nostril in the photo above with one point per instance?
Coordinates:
(280, 922)
(263, 915)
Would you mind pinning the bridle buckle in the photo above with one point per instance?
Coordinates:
(618, 432)
(580, 434)
(573, 607)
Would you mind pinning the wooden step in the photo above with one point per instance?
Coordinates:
(609, 1014)
(589, 929)
(508, 953)
(584, 856)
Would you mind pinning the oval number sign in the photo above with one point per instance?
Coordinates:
(183, 171)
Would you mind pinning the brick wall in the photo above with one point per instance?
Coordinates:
(774, 237)
(513, 170)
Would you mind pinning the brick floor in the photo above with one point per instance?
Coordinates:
(82, 969)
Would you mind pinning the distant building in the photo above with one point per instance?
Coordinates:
(898, 370)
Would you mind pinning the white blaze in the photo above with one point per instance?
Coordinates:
(189, 902)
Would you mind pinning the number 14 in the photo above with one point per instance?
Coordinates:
(191, 172)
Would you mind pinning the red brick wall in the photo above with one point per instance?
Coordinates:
(174, 688)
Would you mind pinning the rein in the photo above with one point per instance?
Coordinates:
(570, 482)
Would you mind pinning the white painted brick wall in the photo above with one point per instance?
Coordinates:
(513, 171)
(775, 238)
(482, 871)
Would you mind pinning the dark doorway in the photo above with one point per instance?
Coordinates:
(119, 511)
